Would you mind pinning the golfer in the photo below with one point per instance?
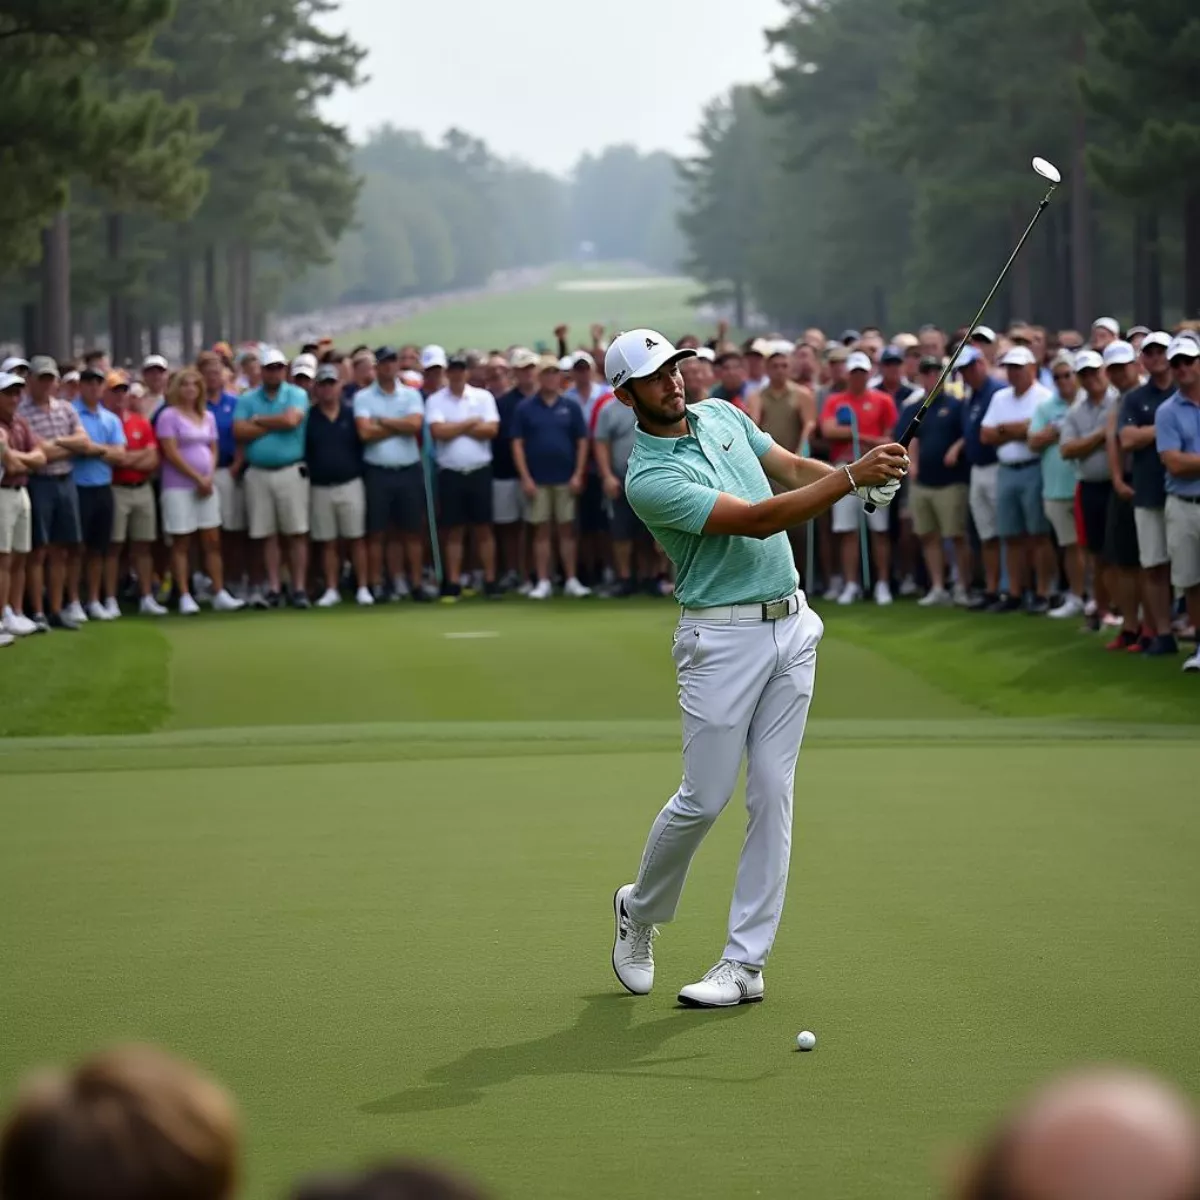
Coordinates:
(745, 649)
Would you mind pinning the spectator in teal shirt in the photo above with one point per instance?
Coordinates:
(270, 421)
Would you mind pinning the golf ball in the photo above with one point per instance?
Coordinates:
(806, 1040)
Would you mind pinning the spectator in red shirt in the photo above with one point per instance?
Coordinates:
(876, 416)
(135, 519)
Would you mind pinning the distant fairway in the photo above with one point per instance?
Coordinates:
(575, 296)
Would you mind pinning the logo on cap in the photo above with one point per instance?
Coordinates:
(620, 375)
(650, 343)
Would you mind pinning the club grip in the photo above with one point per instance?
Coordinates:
(910, 432)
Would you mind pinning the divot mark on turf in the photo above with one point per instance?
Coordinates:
(466, 634)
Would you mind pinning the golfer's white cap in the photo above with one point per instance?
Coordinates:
(432, 356)
(1088, 360)
(858, 361)
(1119, 352)
(1158, 338)
(984, 331)
(1110, 323)
(1185, 346)
(8, 380)
(1019, 356)
(638, 353)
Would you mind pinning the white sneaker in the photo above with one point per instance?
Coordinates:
(961, 596)
(883, 593)
(400, 588)
(225, 601)
(850, 594)
(363, 596)
(1089, 609)
(112, 608)
(526, 589)
(1193, 663)
(15, 625)
(909, 587)
(74, 610)
(149, 607)
(97, 612)
(834, 590)
(726, 985)
(1071, 606)
(329, 598)
(187, 605)
(575, 589)
(6, 639)
(633, 948)
(935, 598)
(543, 591)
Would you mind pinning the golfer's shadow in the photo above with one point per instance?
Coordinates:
(603, 1041)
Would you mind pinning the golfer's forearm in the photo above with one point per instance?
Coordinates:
(793, 508)
(809, 470)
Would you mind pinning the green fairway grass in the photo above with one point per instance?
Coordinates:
(530, 315)
(362, 871)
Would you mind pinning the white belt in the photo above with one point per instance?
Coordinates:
(732, 614)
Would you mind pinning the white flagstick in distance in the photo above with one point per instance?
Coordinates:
(1048, 171)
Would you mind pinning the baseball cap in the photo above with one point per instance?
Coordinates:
(930, 362)
(547, 362)
(1157, 338)
(967, 357)
(522, 357)
(760, 346)
(432, 356)
(385, 353)
(273, 358)
(1019, 356)
(858, 361)
(116, 379)
(11, 364)
(71, 377)
(155, 360)
(1119, 352)
(9, 380)
(304, 364)
(1134, 330)
(566, 362)
(582, 357)
(849, 336)
(411, 378)
(837, 353)
(1184, 347)
(364, 356)
(1109, 323)
(983, 331)
(460, 360)
(638, 353)
(328, 374)
(891, 354)
(43, 364)
(1088, 360)
(707, 353)
(93, 372)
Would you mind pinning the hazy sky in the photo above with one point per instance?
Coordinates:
(545, 80)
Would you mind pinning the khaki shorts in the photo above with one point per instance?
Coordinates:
(339, 511)
(276, 501)
(940, 510)
(983, 501)
(849, 511)
(1061, 515)
(134, 518)
(1183, 542)
(16, 524)
(184, 511)
(556, 501)
(233, 500)
(1152, 537)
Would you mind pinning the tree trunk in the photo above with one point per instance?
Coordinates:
(56, 288)
(211, 312)
(1154, 295)
(116, 303)
(1191, 253)
(187, 315)
(1081, 208)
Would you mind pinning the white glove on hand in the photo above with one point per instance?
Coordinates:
(880, 496)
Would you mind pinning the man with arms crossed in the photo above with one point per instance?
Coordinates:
(745, 647)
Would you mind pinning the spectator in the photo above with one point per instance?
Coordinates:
(269, 423)
(803, 366)
(981, 457)
(592, 397)
(462, 422)
(1059, 485)
(1177, 433)
(333, 452)
(302, 372)
(875, 414)
(731, 371)
(127, 1124)
(1105, 330)
(228, 480)
(410, 358)
(135, 518)
(497, 377)
(1137, 439)
(550, 451)
(1069, 339)
(698, 379)
(755, 359)
(891, 376)
(1019, 517)
(433, 367)
(939, 478)
(362, 363)
(389, 417)
(983, 339)
(614, 439)
(396, 1181)
(187, 434)
(932, 342)
(15, 365)
(1110, 1135)
(68, 387)
(19, 454)
(1136, 336)
(506, 485)
(249, 370)
(93, 483)
(155, 371)
(871, 343)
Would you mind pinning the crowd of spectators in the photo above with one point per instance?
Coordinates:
(1055, 474)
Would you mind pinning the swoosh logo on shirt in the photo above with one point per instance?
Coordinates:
(727, 444)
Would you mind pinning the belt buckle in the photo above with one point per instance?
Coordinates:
(775, 610)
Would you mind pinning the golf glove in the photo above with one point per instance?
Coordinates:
(880, 496)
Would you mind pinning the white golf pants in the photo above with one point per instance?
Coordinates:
(744, 687)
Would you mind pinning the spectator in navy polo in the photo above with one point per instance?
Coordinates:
(269, 423)
(507, 508)
(1137, 438)
(985, 469)
(389, 417)
(462, 421)
(338, 496)
(550, 451)
(1177, 428)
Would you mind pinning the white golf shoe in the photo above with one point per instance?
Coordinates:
(850, 594)
(726, 985)
(226, 601)
(935, 598)
(543, 591)
(633, 948)
(883, 593)
(1193, 663)
(187, 605)
(363, 596)
(329, 597)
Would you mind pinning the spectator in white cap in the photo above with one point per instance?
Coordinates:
(983, 338)
(155, 373)
(15, 365)
(1135, 335)
(1104, 331)
(1177, 428)
(756, 365)
(1136, 432)
(433, 367)
(303, 371)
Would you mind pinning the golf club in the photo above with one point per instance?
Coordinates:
(1046, 170)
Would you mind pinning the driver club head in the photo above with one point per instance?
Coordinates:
(1047, 170)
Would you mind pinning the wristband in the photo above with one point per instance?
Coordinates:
(853, 485)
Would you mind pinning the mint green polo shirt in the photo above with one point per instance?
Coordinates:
(1058, 476)
(673, 483)
(280, 447)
